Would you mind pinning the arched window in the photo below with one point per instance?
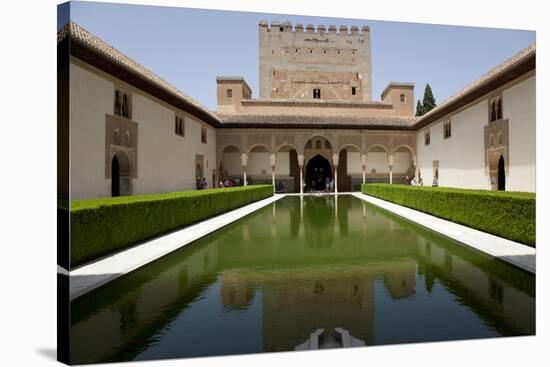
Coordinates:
(229, 93)
(116, 137)
(499, 109)
(318, 144)
(117, 103)
(125, 106)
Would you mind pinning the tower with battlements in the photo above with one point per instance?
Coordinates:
(314, 63)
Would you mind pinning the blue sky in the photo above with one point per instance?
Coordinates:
(189, 47)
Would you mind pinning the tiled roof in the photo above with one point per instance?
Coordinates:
(521, 62)
(312, 121)
(78, 34)
(317, 102)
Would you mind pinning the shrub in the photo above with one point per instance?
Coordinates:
(505, 214)
(105, 225)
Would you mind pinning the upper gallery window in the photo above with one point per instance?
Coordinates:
(316, 93)
(353, 91)
(427, 137)
(122, 104)
(495, 109)
(402, 98)
(229, 93)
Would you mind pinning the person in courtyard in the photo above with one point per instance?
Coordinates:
(413, 181)
(327, 184)
(204, 183)
(407, 180)
(435, 182)
(220, 184)
(420, 182)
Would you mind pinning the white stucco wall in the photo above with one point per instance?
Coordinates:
(462, 157)
(166, 162)
(519, 107)
(283, 164)
(91, 98)
(354, 163)
(258, 162)
(231, 162)
(377, 161)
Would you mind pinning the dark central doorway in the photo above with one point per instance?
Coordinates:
(501, 175)
(317, 170)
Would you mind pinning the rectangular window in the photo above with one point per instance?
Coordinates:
(317, 93)
(179, 126)
(427, 138)
(447, 130)
(353, 91)
(402, 98)
(203, 134)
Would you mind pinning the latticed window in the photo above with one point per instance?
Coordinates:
(316, 93)
(125, 106)
(118, 104)
(427, 138)
(495, 109)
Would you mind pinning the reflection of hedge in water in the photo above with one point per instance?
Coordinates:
(506, 214)
(522, 281)
(102, 226)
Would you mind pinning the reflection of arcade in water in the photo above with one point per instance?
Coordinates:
(330, 263)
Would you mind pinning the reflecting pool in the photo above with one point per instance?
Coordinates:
(331, 269)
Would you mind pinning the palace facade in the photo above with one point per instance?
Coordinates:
(123, 130)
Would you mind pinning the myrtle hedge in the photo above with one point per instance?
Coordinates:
(105, 225)
(505, 214)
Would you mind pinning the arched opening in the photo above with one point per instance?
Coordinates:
(120, 175)
(115, 177)
(501, 175)
(318, 170)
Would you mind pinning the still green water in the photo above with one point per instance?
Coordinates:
(269, 280)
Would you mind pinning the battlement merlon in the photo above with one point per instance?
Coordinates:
(277, 27)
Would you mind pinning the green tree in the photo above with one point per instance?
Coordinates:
(429, 101)
(419, 108)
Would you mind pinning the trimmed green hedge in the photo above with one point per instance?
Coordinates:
(105, 225)
(506, 214)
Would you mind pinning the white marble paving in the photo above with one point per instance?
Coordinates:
(515, 253)
(90, 276)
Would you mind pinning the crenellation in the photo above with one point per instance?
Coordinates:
(321, 29)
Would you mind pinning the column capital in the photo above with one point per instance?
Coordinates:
(300, 160)
(335, 159)
(244, 159)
